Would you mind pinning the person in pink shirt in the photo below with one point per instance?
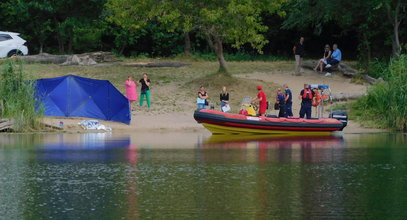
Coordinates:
(131, 91)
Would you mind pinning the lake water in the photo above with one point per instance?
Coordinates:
(192, 176)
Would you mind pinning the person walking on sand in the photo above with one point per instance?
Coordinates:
(131, 91)
(307, 96)
(298, 51)
(201, 100)
(224, 99)
(323, 60)
(145, 90)
(262, 100)
(288, 101)
(280, 99)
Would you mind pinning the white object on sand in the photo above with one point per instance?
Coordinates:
(93, 125)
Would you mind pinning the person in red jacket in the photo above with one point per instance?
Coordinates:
(262, 100)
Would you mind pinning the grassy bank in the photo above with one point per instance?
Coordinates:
(386, 103)
(17, 97)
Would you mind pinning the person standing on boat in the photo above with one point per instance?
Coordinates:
(145, 90)
(280, 99)
(307, 96)
(288, 101)
(201, 100)
(262, 100)
(131, 91)
(224, 99)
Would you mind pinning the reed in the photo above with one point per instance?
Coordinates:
(17, 100)
(386, 103)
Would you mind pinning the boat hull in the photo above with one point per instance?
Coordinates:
(227, 123)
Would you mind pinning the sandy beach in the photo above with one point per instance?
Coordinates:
(178, 116)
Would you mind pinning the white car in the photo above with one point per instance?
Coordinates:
(11, 45)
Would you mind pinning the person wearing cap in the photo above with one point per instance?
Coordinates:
(306, 95)
(262, 100)
(288, 101)
(280, 99)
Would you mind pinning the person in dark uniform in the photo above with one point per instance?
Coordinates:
(288, 101)
(280, 99)
(307, 96)
(298, 51)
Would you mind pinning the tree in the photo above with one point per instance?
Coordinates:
(237, 22)
(44, 20)
(32, 16)
(363, 17)
(396, 13)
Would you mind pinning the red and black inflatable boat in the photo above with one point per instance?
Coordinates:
(229, 123)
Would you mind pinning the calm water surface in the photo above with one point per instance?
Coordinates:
(102, 176)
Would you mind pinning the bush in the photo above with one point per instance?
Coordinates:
(378, 68)
(385, 102)
(17, 99)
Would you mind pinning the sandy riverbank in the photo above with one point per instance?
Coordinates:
(174, 91)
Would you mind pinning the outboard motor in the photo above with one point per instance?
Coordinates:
(342, 116)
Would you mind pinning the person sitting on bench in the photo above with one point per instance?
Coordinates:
(335, 58)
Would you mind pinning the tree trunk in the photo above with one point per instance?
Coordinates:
(219, 54)
(121, 51)
(41, 47)
(59, 36)
(368, 49)
(365, 50)
(70, 42)
(187, 45)
(210, 42)
(394, 21)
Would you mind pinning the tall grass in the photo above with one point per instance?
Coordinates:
(17, 100)
(386, 103)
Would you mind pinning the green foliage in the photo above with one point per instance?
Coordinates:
(378, 68)
(385, 103)
(229, 21)
(17, 99)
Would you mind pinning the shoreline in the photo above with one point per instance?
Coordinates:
(173, 122)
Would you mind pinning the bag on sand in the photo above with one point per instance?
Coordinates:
(226, 108)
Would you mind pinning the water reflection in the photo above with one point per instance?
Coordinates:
(89, 147)
(98, 176)
(279, 148)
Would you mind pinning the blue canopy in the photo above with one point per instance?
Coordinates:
(318, 86)
(74, 96)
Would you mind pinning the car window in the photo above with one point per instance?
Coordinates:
(4, 37)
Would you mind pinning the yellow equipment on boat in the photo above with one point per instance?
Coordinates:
(249, 109)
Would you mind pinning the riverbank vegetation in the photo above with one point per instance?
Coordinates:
(385, 103)
(17, 101)
(368, 31)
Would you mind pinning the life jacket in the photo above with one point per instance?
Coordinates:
(307, 94)
(317, 99)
